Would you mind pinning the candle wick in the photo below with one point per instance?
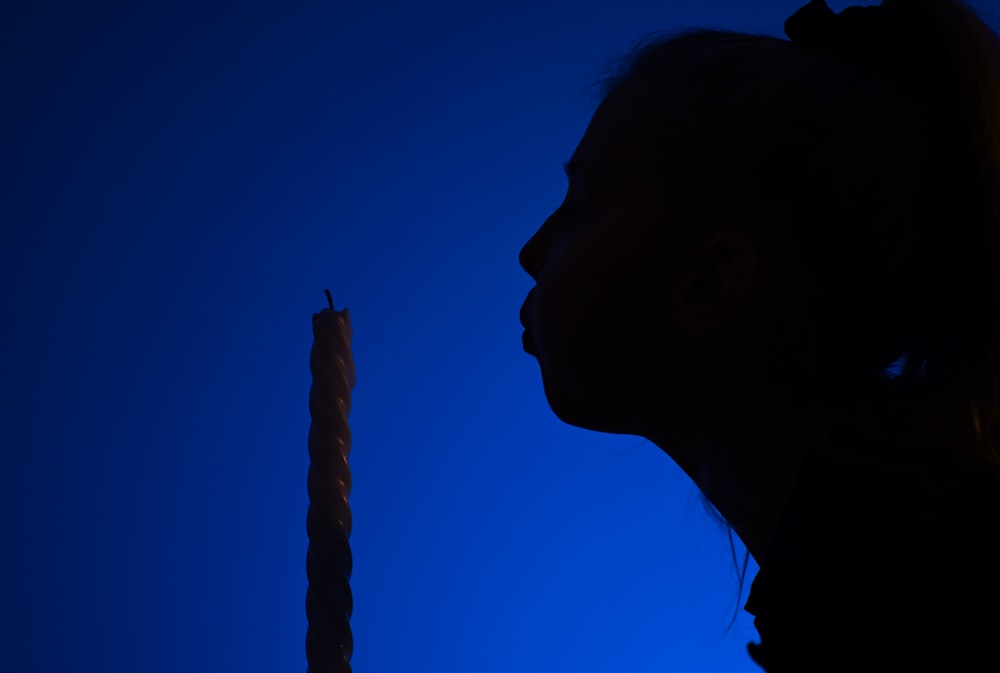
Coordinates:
(329, 298)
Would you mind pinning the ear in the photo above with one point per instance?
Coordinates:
(718, 281)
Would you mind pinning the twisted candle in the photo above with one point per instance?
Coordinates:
(329, 603)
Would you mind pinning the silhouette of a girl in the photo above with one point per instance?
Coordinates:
(778, 261)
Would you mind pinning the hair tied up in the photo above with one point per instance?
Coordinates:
(815, 24)
(894, 38)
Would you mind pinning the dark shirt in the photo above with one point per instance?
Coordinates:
(891, 567)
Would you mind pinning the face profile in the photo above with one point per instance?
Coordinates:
(619, 289)
(593, 319)
(752, 234)
(643, 325)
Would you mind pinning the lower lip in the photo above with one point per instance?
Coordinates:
(527, 341)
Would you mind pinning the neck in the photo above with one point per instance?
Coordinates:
(751, 480)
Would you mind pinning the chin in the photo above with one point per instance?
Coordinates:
(585, 411)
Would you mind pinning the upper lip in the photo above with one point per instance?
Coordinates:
(524, 314)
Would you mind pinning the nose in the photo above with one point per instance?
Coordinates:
(532, 255)
(524, 259)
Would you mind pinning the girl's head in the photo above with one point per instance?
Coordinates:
(645, 319)
(758, 229)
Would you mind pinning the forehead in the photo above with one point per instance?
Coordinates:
(634, 131)
(609, 136)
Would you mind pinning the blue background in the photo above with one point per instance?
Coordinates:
(180, 184)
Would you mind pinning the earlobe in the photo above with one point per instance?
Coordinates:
(699, 302)
(736, 261)
(708, 297)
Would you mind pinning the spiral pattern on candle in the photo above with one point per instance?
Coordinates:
(329, 602)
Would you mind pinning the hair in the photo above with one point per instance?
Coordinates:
(889, 197)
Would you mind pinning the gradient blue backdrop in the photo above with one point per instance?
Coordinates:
(180, 184)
